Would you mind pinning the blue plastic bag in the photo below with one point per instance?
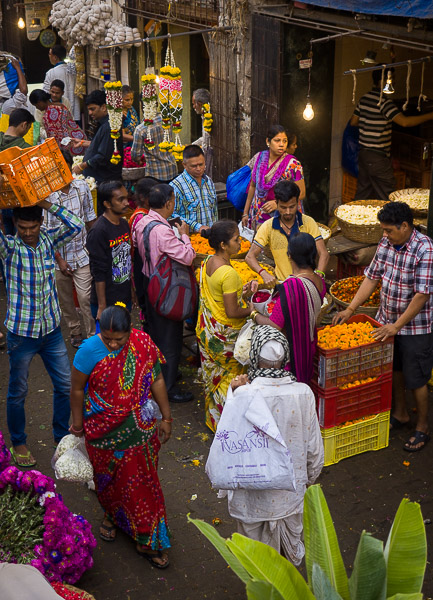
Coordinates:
(237, 187)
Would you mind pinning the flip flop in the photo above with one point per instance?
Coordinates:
(20, 457)
(420, 438)
(151, 555)
(396, 424)
(108, 529)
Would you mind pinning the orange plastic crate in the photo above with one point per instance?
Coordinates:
(333, 368)
(32, 175)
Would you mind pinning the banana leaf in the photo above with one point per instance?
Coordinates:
(265, 564)
(321, 543)
(406, 550)
(321, 585)
(406, 597)
(221, 545)
(368, 579)
(262, 590)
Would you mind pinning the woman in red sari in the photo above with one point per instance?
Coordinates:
(57, 120)
(116, 381)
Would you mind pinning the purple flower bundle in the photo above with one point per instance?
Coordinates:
(5, 455)
(67, 543)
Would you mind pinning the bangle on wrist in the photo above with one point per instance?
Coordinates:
(72, 428)
(320, 273)
(170, 420)
(253, 315)
(262, 269)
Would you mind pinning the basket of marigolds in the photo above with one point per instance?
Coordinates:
(348, 352)
(358, 220)
(343, 292)
(354, 437)
(416, 198)
(31, 175)
(203, 249)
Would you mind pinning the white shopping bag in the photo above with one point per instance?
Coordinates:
(71, 461)
(248, 451)
(241, 351)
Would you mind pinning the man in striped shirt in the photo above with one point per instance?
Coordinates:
(374, 117)
(33, 316)
(196, 201)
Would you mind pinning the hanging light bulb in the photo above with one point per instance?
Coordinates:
(308, 113)
(21, 23)
(370, 57)
(389, 88)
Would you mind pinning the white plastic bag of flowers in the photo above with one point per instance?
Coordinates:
(71, 461)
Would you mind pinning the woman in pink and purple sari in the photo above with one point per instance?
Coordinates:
(298, 305)
(268, 168)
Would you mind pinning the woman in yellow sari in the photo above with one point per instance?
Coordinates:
(222, 313)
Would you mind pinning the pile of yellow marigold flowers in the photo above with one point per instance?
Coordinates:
(345, 336)
(345, 290)
(244, 271)
(357, 382)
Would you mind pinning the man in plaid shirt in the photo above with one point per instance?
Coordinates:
(404, 264)
(33, 317)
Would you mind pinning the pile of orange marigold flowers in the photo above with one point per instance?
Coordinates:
(345, 290)
(201, 245)
(345, 336)
(356, 383)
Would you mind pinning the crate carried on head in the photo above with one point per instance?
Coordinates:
(32, 174)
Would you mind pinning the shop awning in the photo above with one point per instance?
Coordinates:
(422, 9)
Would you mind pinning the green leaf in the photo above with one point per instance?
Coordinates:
(406, 597)
(321, 543)
(321, 585)
(262, 590)
(265, 564)
(221, 545)
(368, 579)
(406, 550)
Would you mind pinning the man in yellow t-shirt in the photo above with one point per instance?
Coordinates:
(276, 231)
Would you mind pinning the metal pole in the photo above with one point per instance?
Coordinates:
(337, 35)
(164, 37)
(388, 66)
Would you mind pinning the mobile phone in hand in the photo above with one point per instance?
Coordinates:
(173, 222)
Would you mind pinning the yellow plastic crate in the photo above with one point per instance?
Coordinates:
(341, 442)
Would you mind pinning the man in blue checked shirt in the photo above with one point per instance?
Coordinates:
(33, 317)
(196, 201)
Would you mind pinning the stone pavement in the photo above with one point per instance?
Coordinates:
(363, 492)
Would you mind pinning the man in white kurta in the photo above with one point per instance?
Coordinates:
(66, 73)
(274, 517)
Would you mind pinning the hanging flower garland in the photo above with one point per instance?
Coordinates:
(113, 92)
(150, 104)
(37, 528)
(207, 118)
(170, 98)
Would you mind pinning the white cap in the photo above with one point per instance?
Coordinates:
(272, 351)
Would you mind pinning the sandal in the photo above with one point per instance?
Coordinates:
(18, 458)
(106, 532)
(419, 438)
(151, 555)
(396, 424)
(76, 341)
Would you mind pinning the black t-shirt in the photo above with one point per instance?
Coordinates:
(109, 248)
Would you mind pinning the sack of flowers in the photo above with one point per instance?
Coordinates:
(37, 528)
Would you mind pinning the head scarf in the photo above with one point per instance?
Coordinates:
(261, 335)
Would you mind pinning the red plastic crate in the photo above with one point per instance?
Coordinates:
(334, 368)
(345, 269)
(335, 406)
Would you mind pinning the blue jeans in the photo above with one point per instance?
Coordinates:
(52, 350)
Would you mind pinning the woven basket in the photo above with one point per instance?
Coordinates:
(363, 310)
(327, 232)
(365, 234)
(81, 594)
(133, 174)
(404, 196)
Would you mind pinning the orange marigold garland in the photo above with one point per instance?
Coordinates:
(113, 93)
(170, 99)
